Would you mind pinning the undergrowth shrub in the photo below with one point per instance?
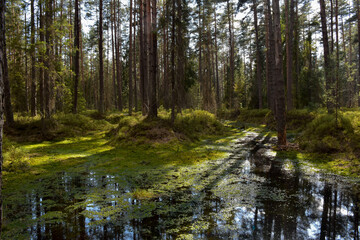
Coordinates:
(324, 134)
(15, 159)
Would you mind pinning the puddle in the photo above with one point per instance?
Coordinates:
(249, 195)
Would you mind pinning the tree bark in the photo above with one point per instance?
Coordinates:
(101, 61)
(118, 58)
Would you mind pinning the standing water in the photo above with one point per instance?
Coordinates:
(252, 194)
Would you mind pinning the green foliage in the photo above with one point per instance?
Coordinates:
(325, 134)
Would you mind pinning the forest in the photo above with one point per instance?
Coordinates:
(180, 119)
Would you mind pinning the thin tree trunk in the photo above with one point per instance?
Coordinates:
(142, 59)
(101, 61)
(42, 61)
(289, 63)
(231, 52)
(173, 92)
(48, 62)
(118, 58)
(337, 58)
(216, 64)
(153, 59)
(113, 51)
(130, 62)
(258, 64)
(76, 61)
(135, 67)
(33, 68)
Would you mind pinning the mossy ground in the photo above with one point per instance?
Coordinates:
(151, 168)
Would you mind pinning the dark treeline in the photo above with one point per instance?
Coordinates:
(67, 56)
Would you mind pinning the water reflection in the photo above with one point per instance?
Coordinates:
(250, 195)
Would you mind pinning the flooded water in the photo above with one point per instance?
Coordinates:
(253, 194)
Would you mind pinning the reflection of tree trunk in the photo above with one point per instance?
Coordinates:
(334, 215)
(325, 213)
(38, 214)
(356, 216)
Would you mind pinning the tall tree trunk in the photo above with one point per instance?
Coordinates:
(48, 62)
(142, 58)
(358, 23)
(135, 67)
(270, 57)
(76, 62)
(231, 53)
(2, 95)
(130, 62)
(173, 92)
(113, 51)
(216, 64)
(33, 68)
(153, 59)
(289, 46)
(328, 81)
(7, 102)
(101, 61)
(258, 64)
(337, 58)
(42, 61)
(279, 78)
(118, 58)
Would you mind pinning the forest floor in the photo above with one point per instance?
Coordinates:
(85, 167)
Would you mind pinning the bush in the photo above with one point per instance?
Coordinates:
(15, 159)
(325, 134)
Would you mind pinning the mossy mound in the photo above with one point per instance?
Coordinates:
(190, 125)
(60, 126)
(326, 134)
